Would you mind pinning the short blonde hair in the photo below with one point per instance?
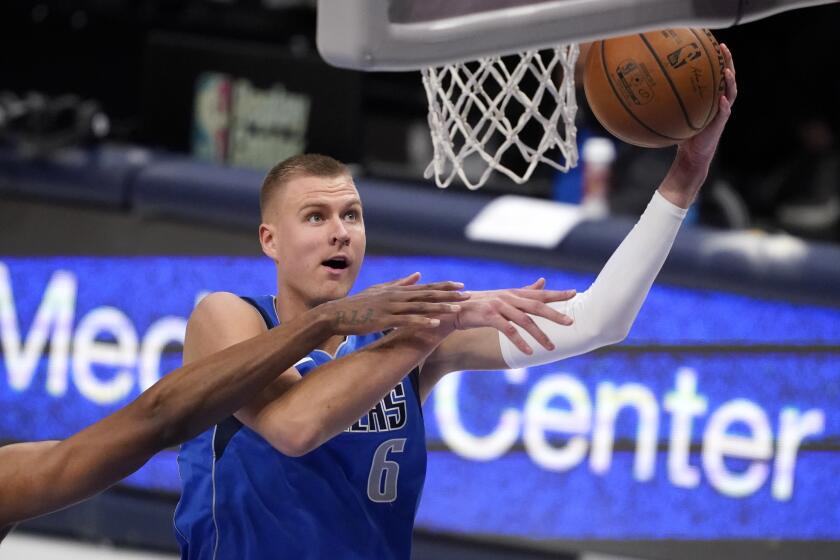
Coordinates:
(303, 165)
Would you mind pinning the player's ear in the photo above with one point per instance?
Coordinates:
(268, 241)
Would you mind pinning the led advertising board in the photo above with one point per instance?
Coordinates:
(716, 419)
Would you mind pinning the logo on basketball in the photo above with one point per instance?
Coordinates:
(697, 85)
(636, 82)
(684, 55)
(634, 76)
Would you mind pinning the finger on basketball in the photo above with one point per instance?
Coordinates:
(727, 57)
(510, 331)
(731, 85)
(524, 320)
(725, 108)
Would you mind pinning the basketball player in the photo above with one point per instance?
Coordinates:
(40, 477)
(339, 472)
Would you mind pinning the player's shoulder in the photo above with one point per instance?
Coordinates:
(221, 303)
(220, 320)
(225, 309)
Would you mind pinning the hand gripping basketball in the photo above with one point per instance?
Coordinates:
(700, 149)
(658, 88)
(691, 164)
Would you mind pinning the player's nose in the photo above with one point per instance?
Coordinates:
(339, 234)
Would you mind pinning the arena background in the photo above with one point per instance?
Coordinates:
(109, 234)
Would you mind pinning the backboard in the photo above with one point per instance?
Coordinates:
(413, 34)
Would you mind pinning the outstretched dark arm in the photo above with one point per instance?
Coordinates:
(40, 477)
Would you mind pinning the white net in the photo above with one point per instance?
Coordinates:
(481, 110)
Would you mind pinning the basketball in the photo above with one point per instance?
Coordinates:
(655, 89)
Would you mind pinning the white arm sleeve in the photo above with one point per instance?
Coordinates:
(604, 313)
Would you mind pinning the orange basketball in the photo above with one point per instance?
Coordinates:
(655, 89)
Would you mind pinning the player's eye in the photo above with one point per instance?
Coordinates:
(351, 215)
(314, 218)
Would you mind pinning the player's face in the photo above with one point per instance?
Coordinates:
(319, 237)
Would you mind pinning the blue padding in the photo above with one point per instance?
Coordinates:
(101, 175)
(184, 188)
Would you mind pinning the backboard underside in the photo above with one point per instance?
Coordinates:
(413, 34)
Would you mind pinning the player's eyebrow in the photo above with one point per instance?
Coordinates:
(318, 204)
(313, 204)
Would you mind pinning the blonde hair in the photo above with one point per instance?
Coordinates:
(303, 165)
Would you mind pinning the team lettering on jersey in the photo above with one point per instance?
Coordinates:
(388, 414)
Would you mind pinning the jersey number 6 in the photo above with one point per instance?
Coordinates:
(382, 481)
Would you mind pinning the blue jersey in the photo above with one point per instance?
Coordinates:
(355, 496)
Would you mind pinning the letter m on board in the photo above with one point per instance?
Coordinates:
(53, 321)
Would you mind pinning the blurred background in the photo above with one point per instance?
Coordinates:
(134, 135)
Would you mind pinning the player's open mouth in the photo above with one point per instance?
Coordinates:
(336, 263)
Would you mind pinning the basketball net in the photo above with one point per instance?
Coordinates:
(477, 109)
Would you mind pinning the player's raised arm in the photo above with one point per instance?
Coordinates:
(604, 313)
(40, 477)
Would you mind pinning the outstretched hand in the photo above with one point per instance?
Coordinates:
(501, 309)
(694, 155)
(399, 303)
(701, 147)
